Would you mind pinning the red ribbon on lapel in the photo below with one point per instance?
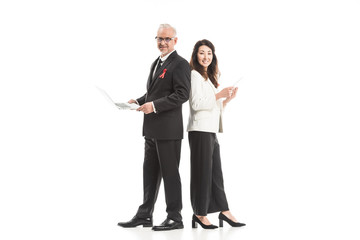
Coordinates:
(163, 74)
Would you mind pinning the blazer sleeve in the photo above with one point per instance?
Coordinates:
(202, 97)
(181, 84)
(141, 100)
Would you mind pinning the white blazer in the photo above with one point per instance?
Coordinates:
(205, 111)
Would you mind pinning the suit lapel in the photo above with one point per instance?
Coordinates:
(154, 79)
(150, 78)
(212, 86)
(161, 69)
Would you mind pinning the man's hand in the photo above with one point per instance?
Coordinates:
(146, 108)
(132, 101)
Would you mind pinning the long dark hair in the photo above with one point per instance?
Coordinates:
(212, 71)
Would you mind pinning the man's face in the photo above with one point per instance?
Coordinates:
(164, 41)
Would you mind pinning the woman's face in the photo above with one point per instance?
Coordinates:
(204, 56)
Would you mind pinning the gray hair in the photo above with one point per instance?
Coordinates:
(166, 25)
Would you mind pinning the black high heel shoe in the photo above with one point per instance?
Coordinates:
(222, 218)
(196, 220)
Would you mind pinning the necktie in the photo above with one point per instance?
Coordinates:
(158, 66)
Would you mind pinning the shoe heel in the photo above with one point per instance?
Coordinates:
(221, 223)
(147, 225)
(194, 224)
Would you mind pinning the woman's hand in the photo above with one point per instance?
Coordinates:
(233, 95)
(225, 93)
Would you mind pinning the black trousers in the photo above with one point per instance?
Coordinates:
(162, 158)
(207, 185)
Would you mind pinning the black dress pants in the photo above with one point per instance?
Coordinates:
(162, 158)
(207, 185)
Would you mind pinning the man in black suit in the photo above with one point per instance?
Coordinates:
(168, 87)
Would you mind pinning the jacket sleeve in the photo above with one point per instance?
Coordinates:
(141, 100)
(201, 96)
(181, 84)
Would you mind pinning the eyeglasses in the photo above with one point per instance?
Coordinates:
(167, 40)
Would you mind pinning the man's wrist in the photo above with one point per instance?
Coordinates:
(153, 107)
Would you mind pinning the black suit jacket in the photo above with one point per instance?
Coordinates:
(168, 93)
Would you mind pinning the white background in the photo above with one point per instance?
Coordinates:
(71, 164)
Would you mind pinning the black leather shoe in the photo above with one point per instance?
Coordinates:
(196, 220)
(135, 221)
(168, 224)
(229, 221)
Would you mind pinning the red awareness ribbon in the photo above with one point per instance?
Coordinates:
(163, 74)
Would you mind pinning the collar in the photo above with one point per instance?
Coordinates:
(166, 56)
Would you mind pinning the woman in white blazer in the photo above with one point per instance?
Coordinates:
(205, 121)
